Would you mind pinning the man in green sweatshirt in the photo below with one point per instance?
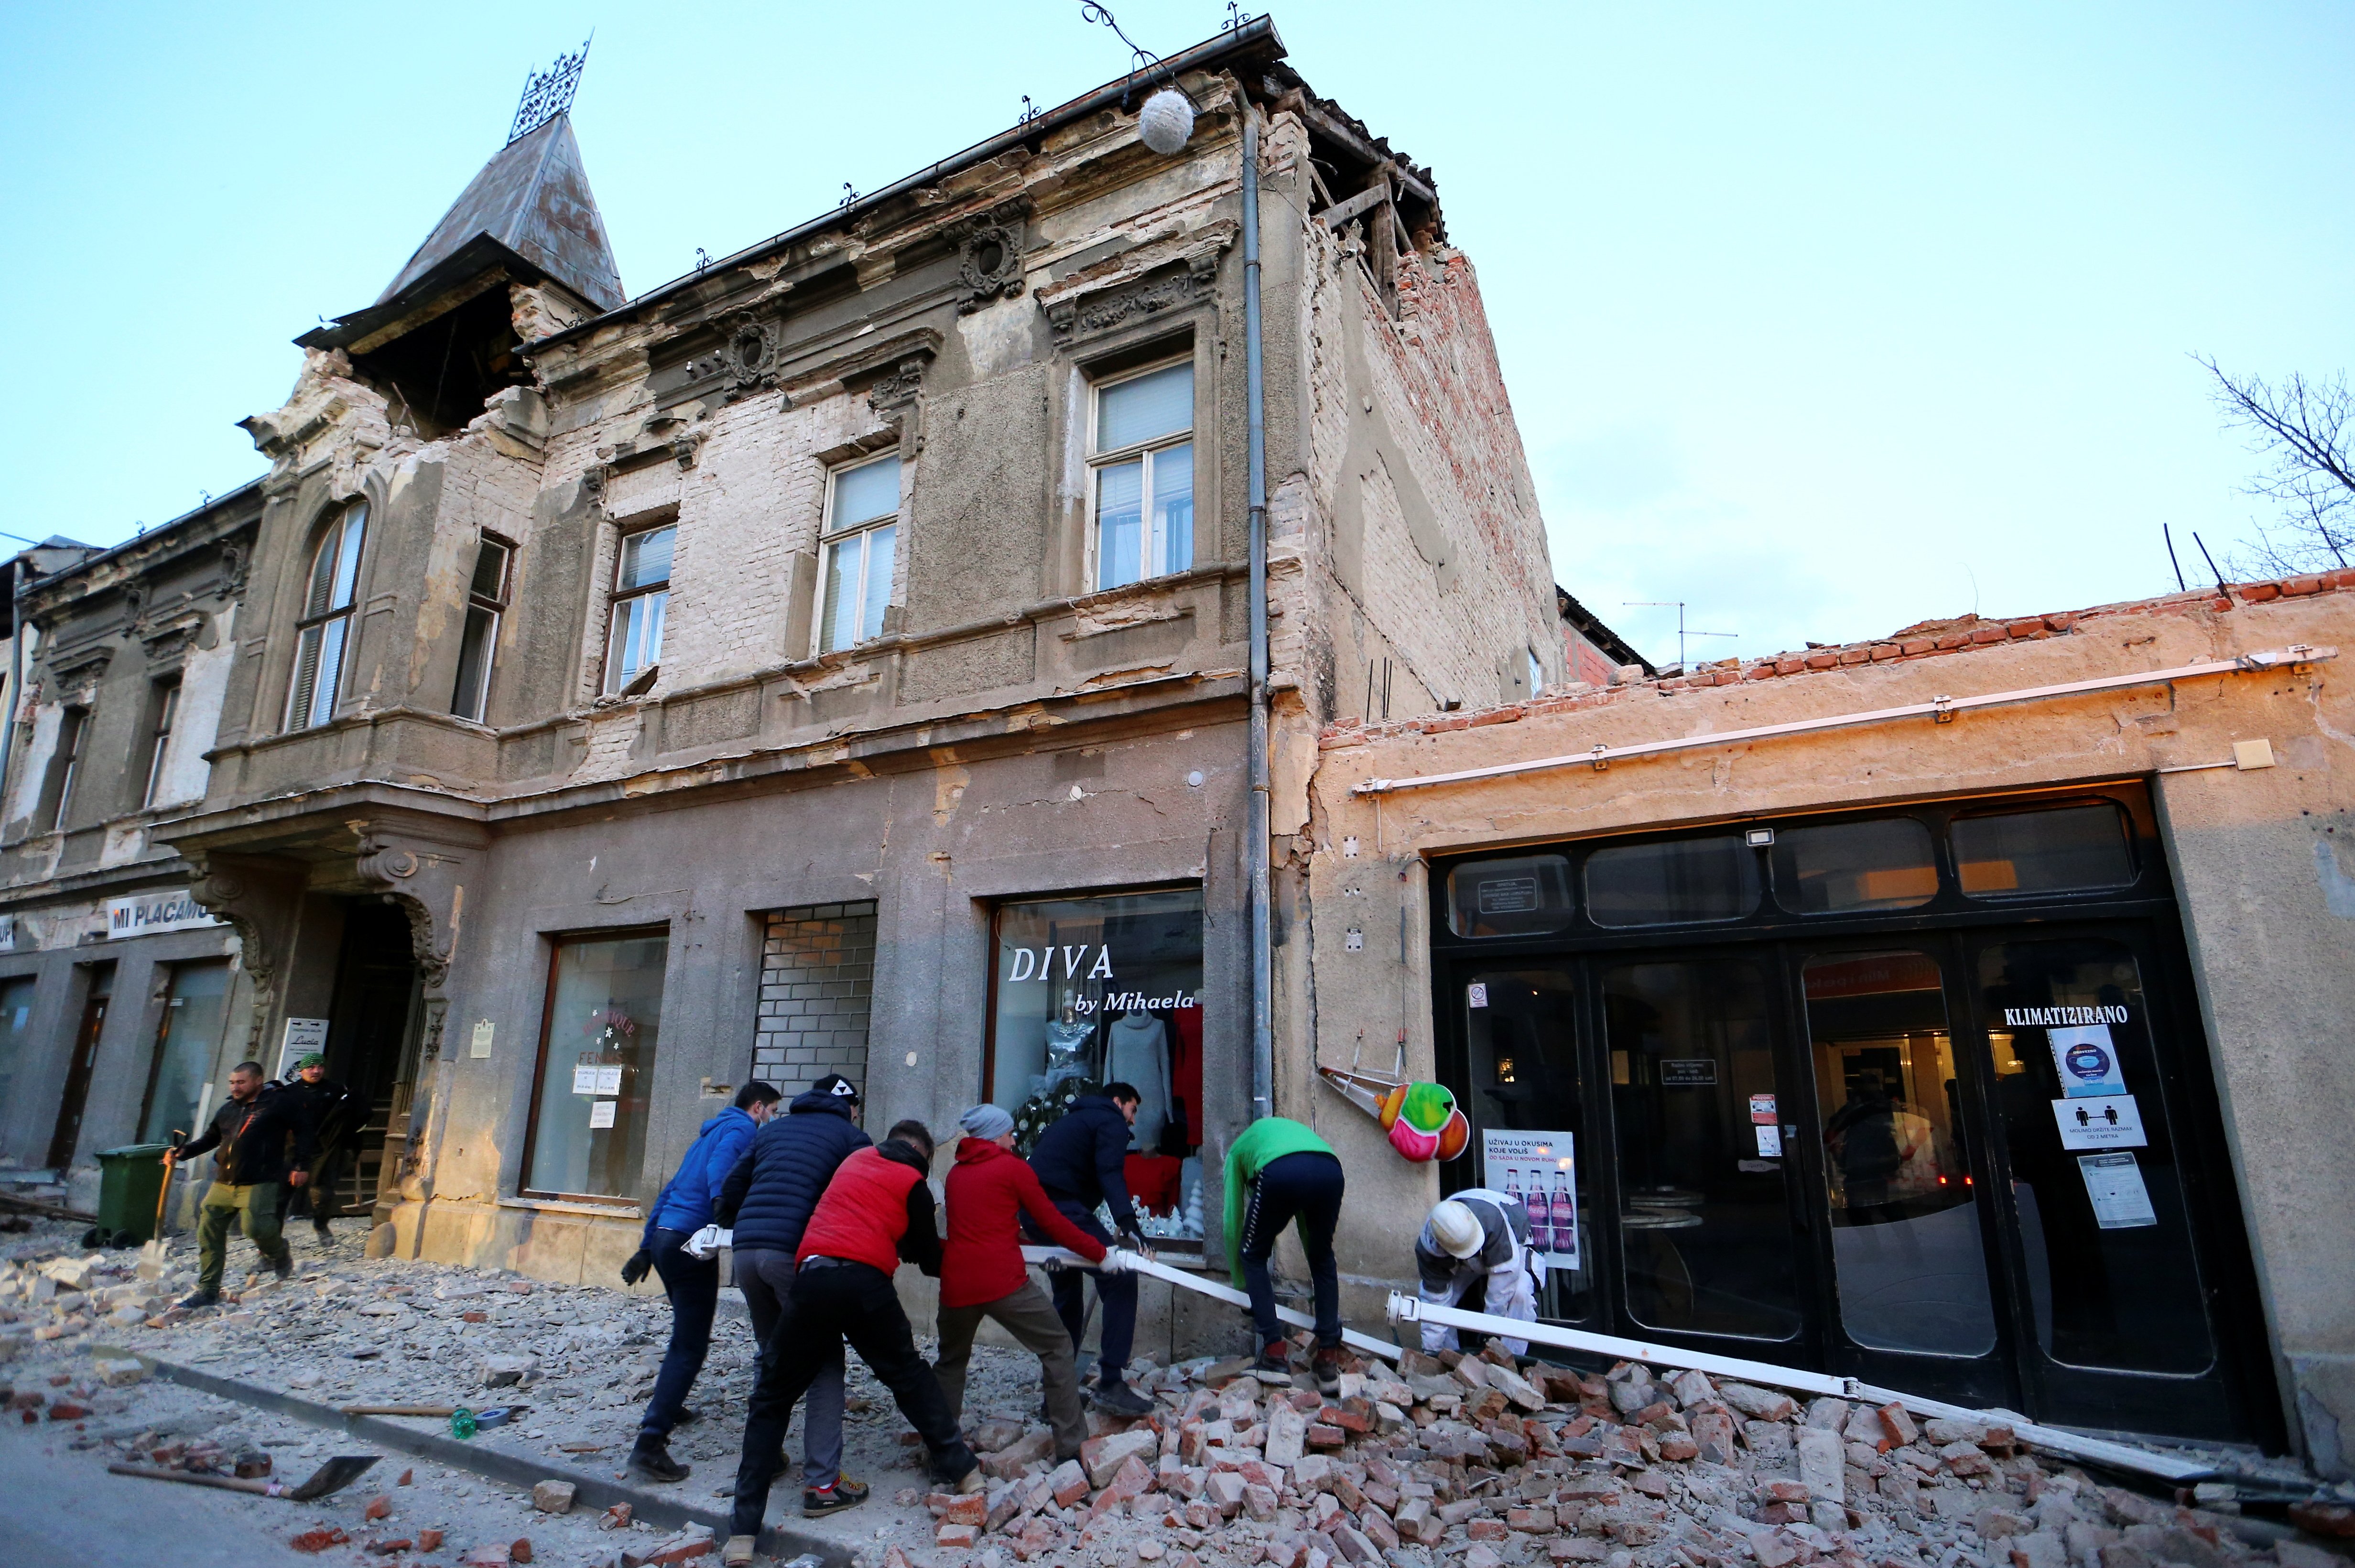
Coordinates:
(1279, 1171)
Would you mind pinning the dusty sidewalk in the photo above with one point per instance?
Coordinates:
(1470, 1465)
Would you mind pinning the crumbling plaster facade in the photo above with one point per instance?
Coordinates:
(2263, 861)
(1012, 731)
(105, 634)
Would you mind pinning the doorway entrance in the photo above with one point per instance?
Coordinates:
(1919, 1097)
(99, 984)
(372, 1026)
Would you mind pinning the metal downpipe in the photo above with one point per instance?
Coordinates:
(1255, 847)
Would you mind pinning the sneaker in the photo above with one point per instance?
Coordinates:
(818, 1501)
(326, 1238)
(198, 1299)
(1326, 1365)
(969, 1483)
(651, 1460)
(737, 1552)
(1273, 1361)
(1119, 1399)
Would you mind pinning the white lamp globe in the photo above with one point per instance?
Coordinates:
(1166, 123)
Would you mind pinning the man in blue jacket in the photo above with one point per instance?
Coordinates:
(691, 1283)
(767, 1198)
(1078, 1163)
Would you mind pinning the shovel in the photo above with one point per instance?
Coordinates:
(158, 1253)
(331, 1477)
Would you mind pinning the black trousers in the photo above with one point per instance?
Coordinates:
(1117, 1292)
(1307, 1187)
(834, 1302)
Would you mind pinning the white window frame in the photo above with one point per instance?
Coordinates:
(1099, 461)
(613, 679)
(332, 621)
(829, 541)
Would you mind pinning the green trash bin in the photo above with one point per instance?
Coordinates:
(130, 1181)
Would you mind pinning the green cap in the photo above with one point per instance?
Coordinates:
(313, 1060)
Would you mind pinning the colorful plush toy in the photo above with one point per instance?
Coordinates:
(1424, 1115)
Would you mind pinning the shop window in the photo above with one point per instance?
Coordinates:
(322, 635)
(641, 603)
(2059, 849)
(1672, 883)
(487, 602)
(1091, 991)
(860, 536)
(1510, 897)
(1705, 1219)
(1141, 474)
(2111, 1273)
(187, 1045)
(16, 1033)
(1888, 864)
(1906, 1249)
(598, 1039)
(1529, 1109)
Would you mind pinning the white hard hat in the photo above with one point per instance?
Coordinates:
(1457, 1229)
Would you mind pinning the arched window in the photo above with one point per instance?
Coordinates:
(325, 626)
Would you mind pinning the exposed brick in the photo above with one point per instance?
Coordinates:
(2258, 592)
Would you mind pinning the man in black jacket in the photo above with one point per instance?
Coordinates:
(766, 1202)
(333, 1112)
(253, 1131)
(1078, 1163)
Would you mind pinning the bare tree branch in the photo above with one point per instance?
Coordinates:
(2302, 430)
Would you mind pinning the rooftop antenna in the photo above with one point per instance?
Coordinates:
(2210, 559)
(549, 93)
(1679, 605)
(2170, 558)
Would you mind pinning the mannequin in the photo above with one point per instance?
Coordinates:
(1138, 1053)
(1066, 1046)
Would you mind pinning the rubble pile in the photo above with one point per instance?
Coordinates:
(1482, 1461)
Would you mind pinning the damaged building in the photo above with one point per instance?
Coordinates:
(841, 658)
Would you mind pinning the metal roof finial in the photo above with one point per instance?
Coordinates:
(549, 93)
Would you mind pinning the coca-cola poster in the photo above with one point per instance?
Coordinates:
(1539, 1170)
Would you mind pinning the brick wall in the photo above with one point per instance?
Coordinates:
(817, 980)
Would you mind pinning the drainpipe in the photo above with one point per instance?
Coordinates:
(1256, 844)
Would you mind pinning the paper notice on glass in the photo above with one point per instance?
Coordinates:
(1542, 1170)
(600, 1114)
(480, 1047)
(2087, 1060)
(2112, 1122)
(584, 1079)
(2114, 1181)
(1770, 1141)
(609, 1080)
(1475, 995)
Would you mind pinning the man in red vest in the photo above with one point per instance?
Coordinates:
(877, 1212)
(982, 1273)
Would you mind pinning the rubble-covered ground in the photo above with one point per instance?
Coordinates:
(1435, 1462)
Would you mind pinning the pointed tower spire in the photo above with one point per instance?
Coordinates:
(529, 211)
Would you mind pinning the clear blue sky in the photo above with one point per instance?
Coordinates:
(1824, 318)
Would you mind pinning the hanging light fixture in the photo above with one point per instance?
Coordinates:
(1166, 122)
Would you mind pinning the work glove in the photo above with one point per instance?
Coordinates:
(641, 1264)
(707, 1241)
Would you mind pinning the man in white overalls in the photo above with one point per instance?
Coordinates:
(1478, 1237)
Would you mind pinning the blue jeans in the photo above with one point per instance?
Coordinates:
(1306, 1186)
(693, 1285)
(1117, 1292)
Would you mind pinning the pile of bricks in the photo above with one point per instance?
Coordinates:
(1481, 1461)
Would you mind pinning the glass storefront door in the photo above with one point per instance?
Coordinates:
(1917, 1098)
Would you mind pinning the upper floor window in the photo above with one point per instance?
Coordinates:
(861, 531)
(1141, 475)
(486, 600)
(325, 627)
(162, 713)
(57, 788)
(641, 597)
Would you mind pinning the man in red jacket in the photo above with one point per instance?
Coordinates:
(982, 1273)
(877, 1211)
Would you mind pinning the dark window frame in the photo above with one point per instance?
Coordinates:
(478, 639)
(557, 942)
(65, 764)
(164, 695)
